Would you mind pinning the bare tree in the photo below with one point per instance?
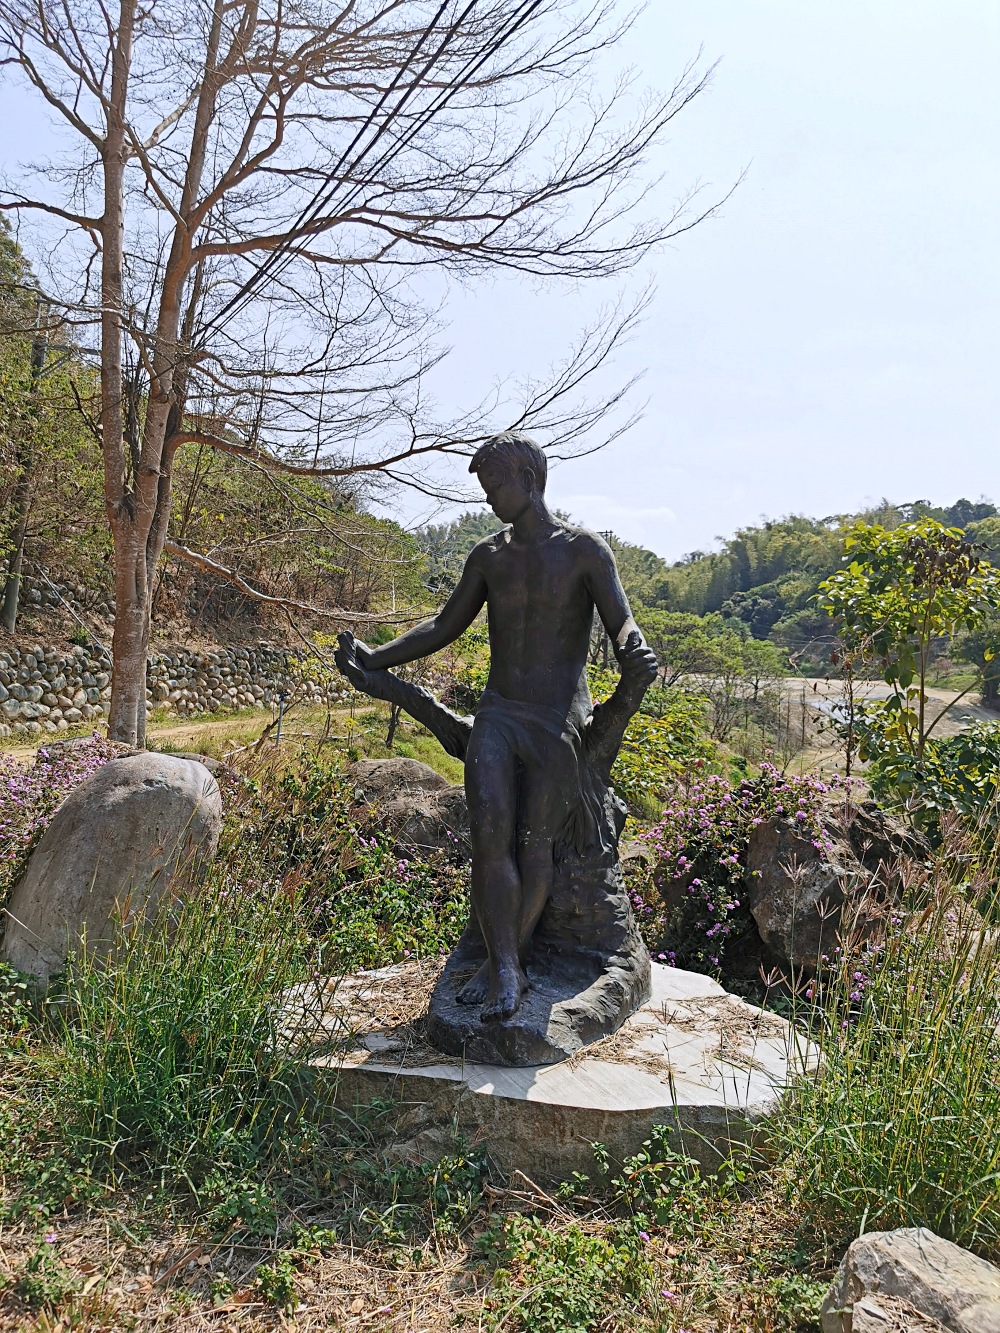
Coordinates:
(256, 190)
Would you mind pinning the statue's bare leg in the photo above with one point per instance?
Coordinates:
(491, 788)
(547, 795)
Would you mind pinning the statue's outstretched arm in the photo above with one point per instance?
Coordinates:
(432, 635)
(451, 729)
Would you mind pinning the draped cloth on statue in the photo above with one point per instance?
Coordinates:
(551, 746)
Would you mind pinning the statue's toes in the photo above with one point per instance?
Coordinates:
(474, 990)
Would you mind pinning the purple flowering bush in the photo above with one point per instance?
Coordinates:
(691, 908)
(29, 797)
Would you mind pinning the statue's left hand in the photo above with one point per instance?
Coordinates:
(637, 661)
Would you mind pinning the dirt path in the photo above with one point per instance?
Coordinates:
(243, 728)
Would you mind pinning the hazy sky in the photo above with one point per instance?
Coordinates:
(832, 336)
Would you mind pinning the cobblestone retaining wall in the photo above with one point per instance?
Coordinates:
(49, 690)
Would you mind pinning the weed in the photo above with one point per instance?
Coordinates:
(898, 1126)
(276, 1282)
(433, 1198)
(565, 1279)
(661, 1187)
(45, 1282)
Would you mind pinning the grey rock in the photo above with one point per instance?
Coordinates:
(887, 1273)
(798, 893)
(890, 1314)
(419, 807)
(140, 824)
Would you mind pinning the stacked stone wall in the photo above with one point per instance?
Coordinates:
(47, 690)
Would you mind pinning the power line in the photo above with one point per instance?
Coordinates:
(281, 255)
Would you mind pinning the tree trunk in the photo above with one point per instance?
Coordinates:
(127, 717)
(12, 587)
(22, 493)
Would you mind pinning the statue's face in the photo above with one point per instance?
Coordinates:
(508, 496)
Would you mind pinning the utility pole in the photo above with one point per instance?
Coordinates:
(605, 644)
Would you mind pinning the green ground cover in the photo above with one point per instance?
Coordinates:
(165, 1156)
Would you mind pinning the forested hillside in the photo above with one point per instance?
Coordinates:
(312, 542)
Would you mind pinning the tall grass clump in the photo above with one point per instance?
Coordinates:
(173, 1054)
(178, 1056)
(900, 1124)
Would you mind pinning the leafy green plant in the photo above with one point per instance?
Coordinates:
(656, 749)
(901, 590)
(565, 1279)
(45, 1282)
(432, 1197)
(955, 775)
(276, 1281)
(369, 904)
(660, 1186)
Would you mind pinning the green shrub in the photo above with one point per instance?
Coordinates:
(955, 775)
(368, 904)
(659, 745)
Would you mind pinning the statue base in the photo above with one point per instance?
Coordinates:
(588, 970)
(703, 1063)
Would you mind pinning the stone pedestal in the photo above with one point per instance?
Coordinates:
(691, 1057)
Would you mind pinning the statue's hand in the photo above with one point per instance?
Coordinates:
(350, 658)
(637, 661)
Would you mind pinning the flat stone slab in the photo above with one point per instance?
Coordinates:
(692, 1057)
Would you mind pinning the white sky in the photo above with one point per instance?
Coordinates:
(832, 337)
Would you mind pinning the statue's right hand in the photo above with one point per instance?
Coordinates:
(348, 659)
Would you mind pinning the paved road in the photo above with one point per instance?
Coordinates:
(960, 709)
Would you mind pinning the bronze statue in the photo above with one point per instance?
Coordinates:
(536, 760)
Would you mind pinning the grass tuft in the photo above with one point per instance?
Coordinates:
(898, 1126)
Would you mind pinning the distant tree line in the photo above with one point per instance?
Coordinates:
(763, 583)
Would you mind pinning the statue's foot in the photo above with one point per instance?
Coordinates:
(504, 994)
(476, 988)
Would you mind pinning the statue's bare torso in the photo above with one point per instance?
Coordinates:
(540, 609)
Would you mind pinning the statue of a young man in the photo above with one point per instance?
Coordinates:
(530, 789)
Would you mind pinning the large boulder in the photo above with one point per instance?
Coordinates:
(140, 825)
(912, 1281)
(419, 808)
(798, 892)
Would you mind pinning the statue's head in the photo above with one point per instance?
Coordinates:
(512, 470)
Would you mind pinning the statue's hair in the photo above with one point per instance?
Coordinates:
(513, 451)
